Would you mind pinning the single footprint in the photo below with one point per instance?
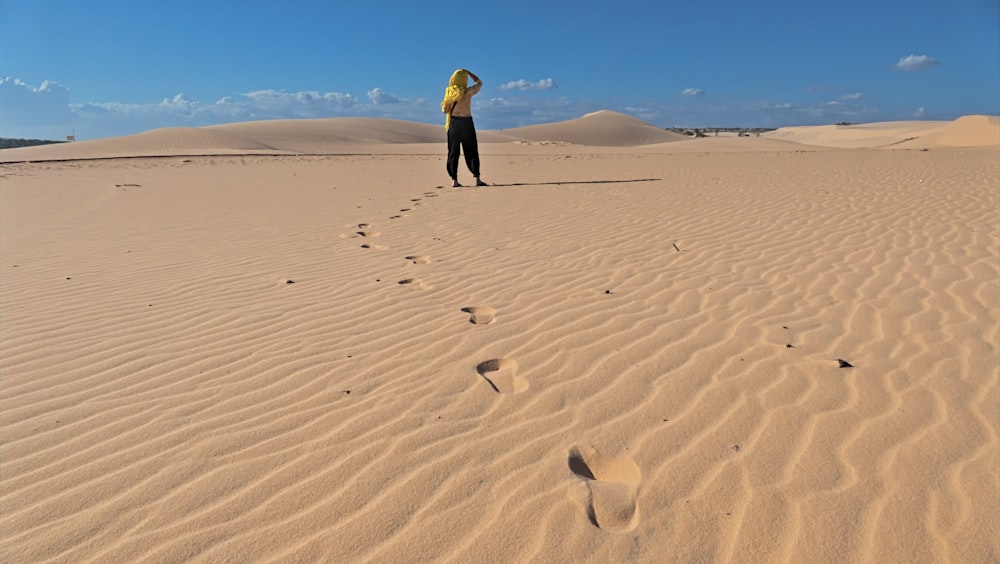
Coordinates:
(369, 234)
(481, 315)
(364, 225)
(501, 374)
(405, 210)
(613, 482)
(374, 246)
(414, 282)
(419, 259)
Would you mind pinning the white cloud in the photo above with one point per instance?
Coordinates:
(524, 85)
(256, 104)
(693, 92)
(307, 102)
(115, 118)
(916, 62)
(920, 112)
(379, 96)
(47, 111)
(24, 104)
(180, 102)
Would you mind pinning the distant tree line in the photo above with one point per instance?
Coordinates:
(9, 143)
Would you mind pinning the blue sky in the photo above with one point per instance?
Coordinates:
(107, 68)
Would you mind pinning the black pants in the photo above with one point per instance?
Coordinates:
(462, 138)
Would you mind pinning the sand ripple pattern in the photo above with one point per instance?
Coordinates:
(169, 396)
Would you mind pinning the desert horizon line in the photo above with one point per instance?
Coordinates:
(73, 135)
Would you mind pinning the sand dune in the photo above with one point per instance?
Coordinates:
(319, 136)
(273, 137)
(600, 130)
(966, 131)
(337, 135)
(864, 135)
(604, 129)
(611, 355)
(156, 142)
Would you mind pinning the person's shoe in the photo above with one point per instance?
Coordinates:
(455, 184)
(480, 183)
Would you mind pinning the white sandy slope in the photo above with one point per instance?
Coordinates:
(600, 131)
(272, 137)
(339, 136)
(604, 128)
(611, 356)
(966, 131)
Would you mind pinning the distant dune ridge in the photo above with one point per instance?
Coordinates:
(294, 341)
(599, 129)
(604, 128)
(966, 131)
(312, 136)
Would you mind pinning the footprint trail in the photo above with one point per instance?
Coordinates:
(501, 374)
(613, 482)
(481, 315)
(415, 282)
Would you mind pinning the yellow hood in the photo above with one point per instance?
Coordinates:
(456, 89)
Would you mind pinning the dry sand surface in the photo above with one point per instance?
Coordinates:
(292, 344)
(966, 131)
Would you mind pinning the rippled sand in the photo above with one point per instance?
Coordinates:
(608, 355)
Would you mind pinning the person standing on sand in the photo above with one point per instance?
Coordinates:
(457, 104)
